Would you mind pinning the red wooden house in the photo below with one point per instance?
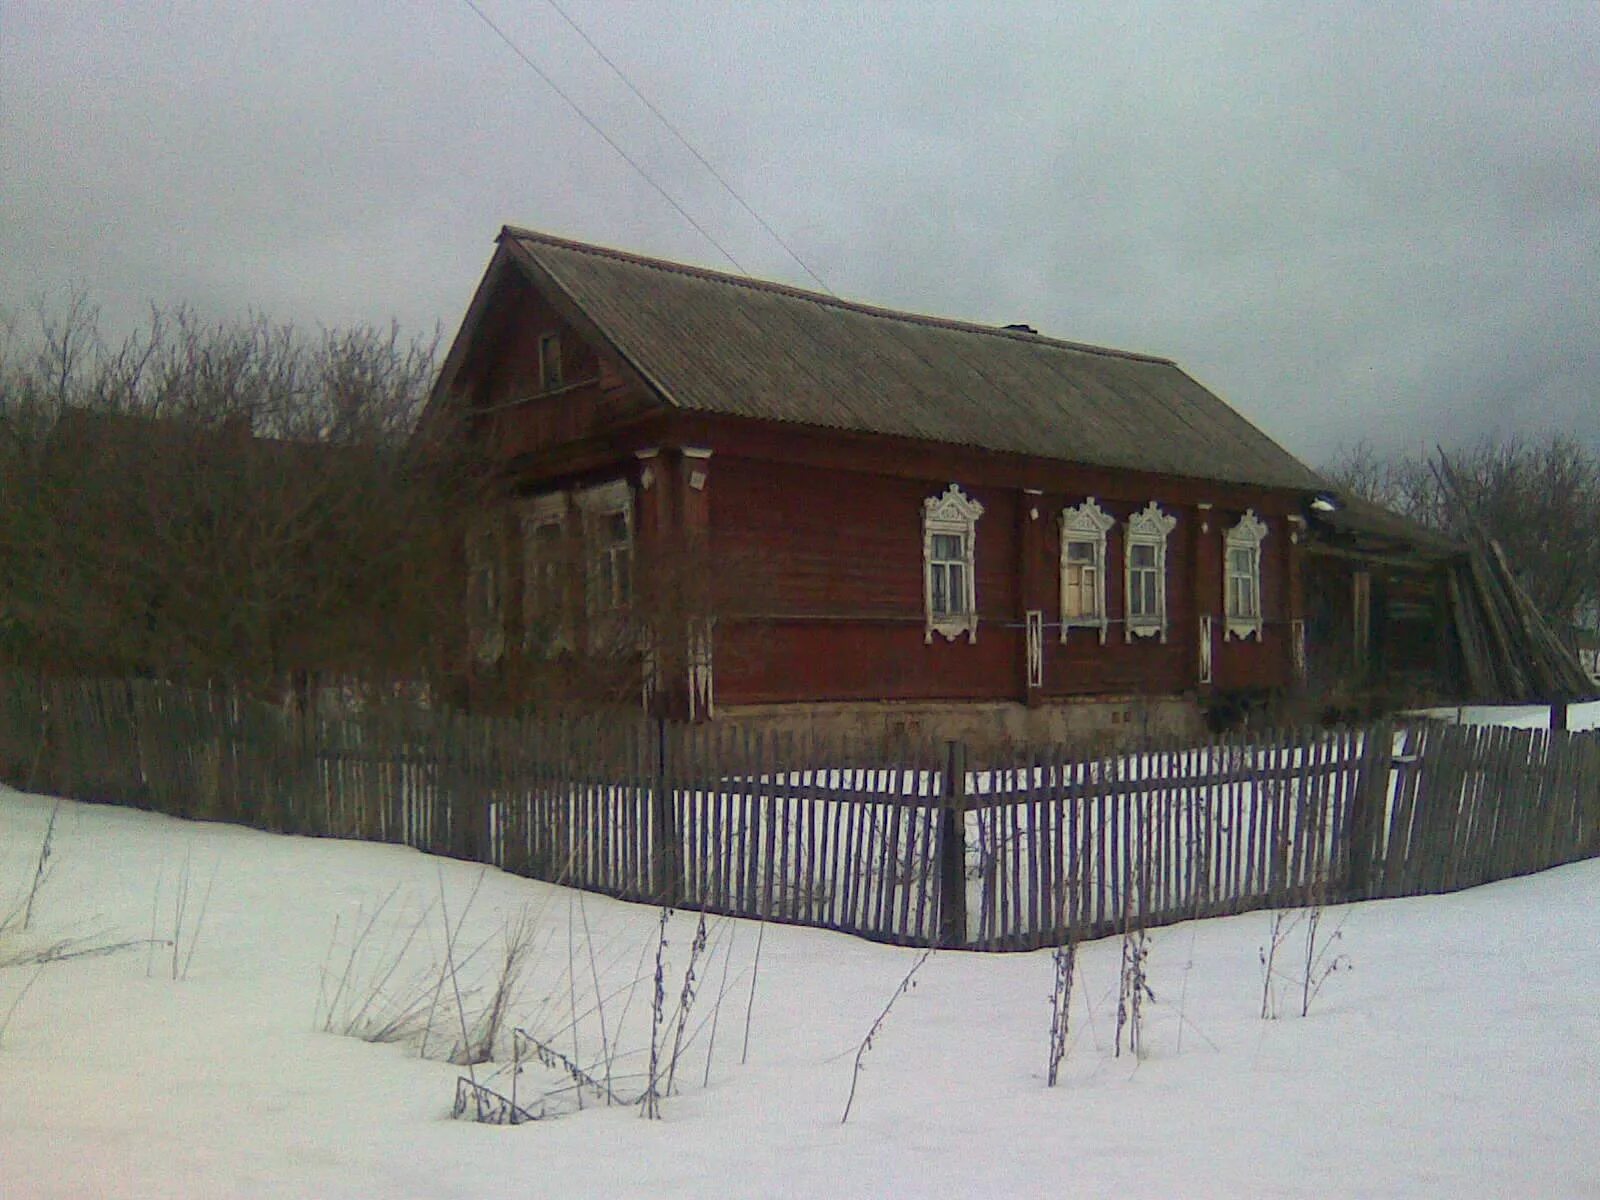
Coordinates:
(786, 507)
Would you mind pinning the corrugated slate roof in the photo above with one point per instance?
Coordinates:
(717, 343)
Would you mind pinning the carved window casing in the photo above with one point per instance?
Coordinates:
(1145, 596)
(1083, 567)
(607, 513)
(949, 541)
(545, 618)
(485, 595)
(1242, 577)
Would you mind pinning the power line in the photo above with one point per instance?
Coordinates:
(590, 122)
(689, 146)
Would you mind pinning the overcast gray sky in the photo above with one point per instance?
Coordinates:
(1350, 221)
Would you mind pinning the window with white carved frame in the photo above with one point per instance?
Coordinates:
(544, 575)
(608, 546)
(949, 541)
(1083, 567)
(1145, 598)
(1242, 577)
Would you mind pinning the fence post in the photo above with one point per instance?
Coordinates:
(953, 849)
(664, 874)
(1368, 811)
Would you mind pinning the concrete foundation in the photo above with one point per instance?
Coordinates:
(1101, 723)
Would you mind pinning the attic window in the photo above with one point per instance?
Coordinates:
(1242, 600)
(549, 362)
(1083, 567)
(1147, 572)
(949, 538)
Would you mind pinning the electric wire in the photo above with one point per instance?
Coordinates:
(607, 138)
(689, 146)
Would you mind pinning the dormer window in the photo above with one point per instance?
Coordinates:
(1242, 598)
(1083, 567)
(549, 362)
(1146, 596)
(949, 538)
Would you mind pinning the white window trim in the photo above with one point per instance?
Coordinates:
(1248, 534)
(955, 514)
(536, 514)
(594, 503)
(1147, 527)
(1088, 523)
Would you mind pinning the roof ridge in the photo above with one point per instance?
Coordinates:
(766, 285)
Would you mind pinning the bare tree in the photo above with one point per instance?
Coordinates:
(230, 500)
(1539, 499)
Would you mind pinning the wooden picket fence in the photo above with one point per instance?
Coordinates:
(915, 846)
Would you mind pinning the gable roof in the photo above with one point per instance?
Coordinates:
(716, 343)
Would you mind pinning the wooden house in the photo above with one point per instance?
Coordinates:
(784, 507)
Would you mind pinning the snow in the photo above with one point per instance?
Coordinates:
(1457, 1056)
(1581, 716)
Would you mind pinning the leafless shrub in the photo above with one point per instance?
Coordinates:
(257, 507)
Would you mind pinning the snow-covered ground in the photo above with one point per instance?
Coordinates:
(1458, 1055)
(1585, 715)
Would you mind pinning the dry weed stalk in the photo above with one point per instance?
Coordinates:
(41, 870)
(906, 985)
(1319, 959)
(1133, 985)
(1065, 960)
(686, 998)
(650, 1102)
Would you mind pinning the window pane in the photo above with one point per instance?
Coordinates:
(1078, 596)
(1142, 555)
(1239, 560)
(940, 590)
(958, 592)
(947, 547)
(1142, 594)
(1080, 552)
(549, 362)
